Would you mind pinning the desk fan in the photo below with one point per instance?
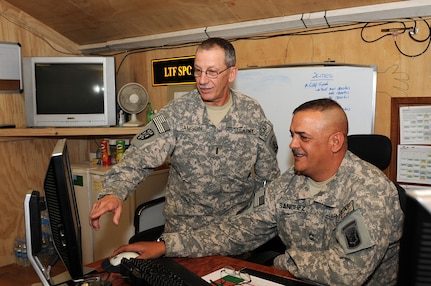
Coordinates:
(133, 98)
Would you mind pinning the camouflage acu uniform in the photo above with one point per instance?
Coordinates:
(347, 234)
(211, 173)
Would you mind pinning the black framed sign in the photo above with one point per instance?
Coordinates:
(173, 71)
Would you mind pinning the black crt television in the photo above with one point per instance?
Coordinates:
(415, 247)
(62, 210)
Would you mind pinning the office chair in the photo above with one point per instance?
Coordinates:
(149, 221)
(373, 148)
(377, 150)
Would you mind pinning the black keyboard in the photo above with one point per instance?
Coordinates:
(159, 272)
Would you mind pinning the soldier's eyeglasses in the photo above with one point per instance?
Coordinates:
(209, 73)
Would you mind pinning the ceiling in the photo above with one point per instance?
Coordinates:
(87, 22)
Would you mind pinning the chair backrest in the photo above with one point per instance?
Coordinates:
(373, 148)
(149, 215)
(377, 150)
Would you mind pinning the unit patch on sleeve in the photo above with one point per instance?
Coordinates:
(352, 233)
(151, 131)
(266, 133)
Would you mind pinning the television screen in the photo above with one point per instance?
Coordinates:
(69, 91)
(69, 88)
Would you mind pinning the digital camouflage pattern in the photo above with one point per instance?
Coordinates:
(215, 170)
(347, 234)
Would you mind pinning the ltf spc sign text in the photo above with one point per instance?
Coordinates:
(173, 71)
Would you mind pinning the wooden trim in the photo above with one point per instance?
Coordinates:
(67, 132)
(10, 85)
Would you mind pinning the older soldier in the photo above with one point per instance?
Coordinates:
(221, 145)
(338, 215)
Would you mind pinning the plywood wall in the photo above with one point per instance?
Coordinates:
(23, 162)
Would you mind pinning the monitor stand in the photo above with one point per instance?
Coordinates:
(61, 278)
(41, 270)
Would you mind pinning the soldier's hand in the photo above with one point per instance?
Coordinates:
(146, 249)
(109, 203)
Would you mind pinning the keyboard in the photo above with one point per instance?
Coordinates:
(158, 272)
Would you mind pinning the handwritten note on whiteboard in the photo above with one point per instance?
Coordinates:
(281, 89)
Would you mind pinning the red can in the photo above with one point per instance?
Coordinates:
(104, 150)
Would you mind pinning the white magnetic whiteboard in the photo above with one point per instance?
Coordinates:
(281, 89)
(10, 67)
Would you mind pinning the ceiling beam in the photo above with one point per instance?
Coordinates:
(370, 13)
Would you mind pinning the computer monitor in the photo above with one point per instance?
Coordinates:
(62, 210)
(415, 248)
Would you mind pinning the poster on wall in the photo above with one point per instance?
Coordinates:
(414, 164)
(415, 124)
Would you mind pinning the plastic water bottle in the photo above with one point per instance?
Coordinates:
(17, 249)
(24, 258)
(121, 118)
(20, 249)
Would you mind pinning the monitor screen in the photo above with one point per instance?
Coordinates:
(415, 246)
(63, 210)
(59, 203)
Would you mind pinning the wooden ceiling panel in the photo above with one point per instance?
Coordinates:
(97, 21)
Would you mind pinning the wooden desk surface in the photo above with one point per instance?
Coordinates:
(204, 265)
(16, 275)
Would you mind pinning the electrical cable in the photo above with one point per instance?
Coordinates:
(306, 31)
(416, 55)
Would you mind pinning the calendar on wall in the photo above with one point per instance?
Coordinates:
(10, 68)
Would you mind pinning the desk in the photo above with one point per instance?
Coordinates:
(16, 275)
(205, 265)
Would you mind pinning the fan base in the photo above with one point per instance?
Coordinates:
(133, 124)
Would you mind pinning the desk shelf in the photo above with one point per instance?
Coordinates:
(68, 132)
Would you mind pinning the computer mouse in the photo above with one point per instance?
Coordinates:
(116, 260)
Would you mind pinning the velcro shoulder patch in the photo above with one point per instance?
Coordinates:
(161, 123)
(352, 233)
(266, 133)
(151, 131)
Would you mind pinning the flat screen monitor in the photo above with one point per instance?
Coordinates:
(415, 250)
(62, 210)
(69, 91)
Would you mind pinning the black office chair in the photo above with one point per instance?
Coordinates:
(373, 148)
(149, 221)
(377, 150)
